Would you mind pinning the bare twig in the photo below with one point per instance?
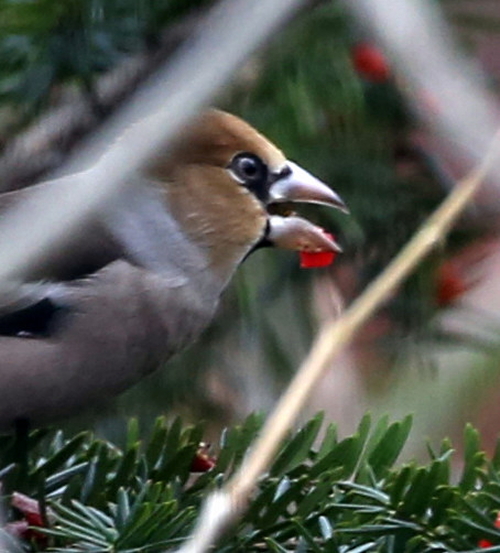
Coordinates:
(226, 505)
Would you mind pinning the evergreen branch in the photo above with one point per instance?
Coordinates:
(339, 495)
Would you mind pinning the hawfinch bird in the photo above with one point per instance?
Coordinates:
(143, 278)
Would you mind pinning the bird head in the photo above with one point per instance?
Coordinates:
(225, 183)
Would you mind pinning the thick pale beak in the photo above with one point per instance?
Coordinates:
(295, 233)
(301, 186)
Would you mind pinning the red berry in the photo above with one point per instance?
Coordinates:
(450, 285)
(30, 508)
(202, 462)
(483, 544)
(311, 260)
(370, 62)
(34, 519)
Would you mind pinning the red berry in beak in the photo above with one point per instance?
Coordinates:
(312, 260)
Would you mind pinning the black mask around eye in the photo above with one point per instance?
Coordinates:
(252, 172)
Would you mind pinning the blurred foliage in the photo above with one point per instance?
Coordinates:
(303, 91)
(339, 495)
(44, 43)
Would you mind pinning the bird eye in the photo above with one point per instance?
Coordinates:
(249, 169)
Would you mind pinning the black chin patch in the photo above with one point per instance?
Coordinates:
(264, 242)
